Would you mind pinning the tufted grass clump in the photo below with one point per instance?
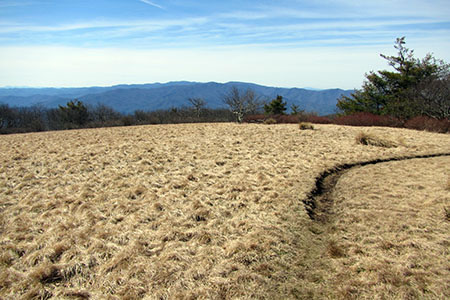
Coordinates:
(270, 121)
(305, 126)
(368, 139)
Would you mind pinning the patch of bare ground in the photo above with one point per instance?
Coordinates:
(389, 235)
(206, 211)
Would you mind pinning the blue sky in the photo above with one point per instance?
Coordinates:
(287, 43)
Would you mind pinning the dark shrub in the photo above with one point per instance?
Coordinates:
(128, 121)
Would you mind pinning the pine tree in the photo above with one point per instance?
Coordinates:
(74, 115)
(405, 92)
(276, 106)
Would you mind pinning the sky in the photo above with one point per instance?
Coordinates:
(285, 43)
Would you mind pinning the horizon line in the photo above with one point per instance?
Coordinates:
(167, 82)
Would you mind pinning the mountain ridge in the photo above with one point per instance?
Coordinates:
(127, 98)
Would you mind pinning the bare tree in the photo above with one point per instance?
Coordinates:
(433, 97)
(6, 116)
(241, 104)
(198, 104)
(103, 114)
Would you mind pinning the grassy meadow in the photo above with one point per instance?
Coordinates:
(214, 211)
(390, 237)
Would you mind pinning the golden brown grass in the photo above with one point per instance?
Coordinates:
(389, 219)
(208, 211)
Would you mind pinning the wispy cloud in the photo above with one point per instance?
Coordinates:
(152, 4)
(261, 24)
(125, 26)
(217, 30)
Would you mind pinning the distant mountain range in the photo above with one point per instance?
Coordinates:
(150, 97)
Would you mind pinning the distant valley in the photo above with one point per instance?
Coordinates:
(149, 97)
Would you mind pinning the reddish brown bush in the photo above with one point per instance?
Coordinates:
(358, 119)
(291, 119)
(318, 120)
(254, 118)
(368, 119)
(429, 124)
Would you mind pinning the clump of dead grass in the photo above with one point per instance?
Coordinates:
(75, 294)
(369, 139)
(335, 250)
(47, 273)
(270, 121)
(305, 126)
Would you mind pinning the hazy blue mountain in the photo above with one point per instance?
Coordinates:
(128, 98)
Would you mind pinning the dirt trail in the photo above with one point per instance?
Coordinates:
(318, 204)
(333, 257)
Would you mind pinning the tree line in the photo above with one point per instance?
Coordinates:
(75, 115)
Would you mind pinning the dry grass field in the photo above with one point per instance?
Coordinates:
(214, 211)
(393, 240)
